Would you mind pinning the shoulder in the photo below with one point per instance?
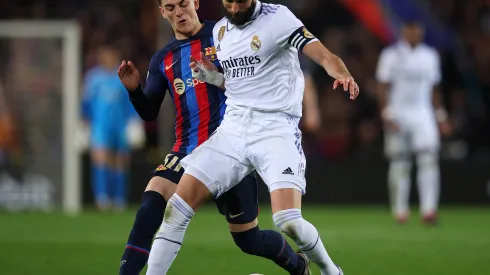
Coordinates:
(268, 9)
(93, 74)
(208, 27)
(430, 50)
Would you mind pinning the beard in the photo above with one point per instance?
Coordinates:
(240, 18)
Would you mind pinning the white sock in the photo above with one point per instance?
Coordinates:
(428, 179)
(399, 185)
(169, 237)
(306, 237)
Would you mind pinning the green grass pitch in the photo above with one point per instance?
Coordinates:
(363, 240)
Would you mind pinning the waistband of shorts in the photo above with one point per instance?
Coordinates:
(244, 112)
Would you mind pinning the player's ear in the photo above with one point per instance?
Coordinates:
(196, 4)
(162, 12)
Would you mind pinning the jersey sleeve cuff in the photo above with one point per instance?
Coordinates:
(136, 94)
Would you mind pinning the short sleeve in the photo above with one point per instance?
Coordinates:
(289, 30)
(384, 69)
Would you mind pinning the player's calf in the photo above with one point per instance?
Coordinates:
(148, 218)
(271, 245)
(169, 238)
(286, 206)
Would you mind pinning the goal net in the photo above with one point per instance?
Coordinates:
(39, 114)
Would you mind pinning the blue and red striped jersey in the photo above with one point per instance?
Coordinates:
(199, 106)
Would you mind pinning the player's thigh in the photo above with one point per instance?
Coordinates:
(121, 148)
(166, 176)
(218, 163)
(397, 144)
(279, 159)
(425, 137)
(240, 204)
(100, 145)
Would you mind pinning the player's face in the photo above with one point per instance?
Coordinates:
(108, 57)
(181, 14)
(413, 33)
(239, 12)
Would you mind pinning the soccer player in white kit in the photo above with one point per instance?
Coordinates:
(408, 73)
(257, 45)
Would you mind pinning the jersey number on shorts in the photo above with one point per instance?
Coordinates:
(170, 161)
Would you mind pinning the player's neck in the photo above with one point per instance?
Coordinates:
(196, 28)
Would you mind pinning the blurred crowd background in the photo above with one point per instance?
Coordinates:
(349, 130)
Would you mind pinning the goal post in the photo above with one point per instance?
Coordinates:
(69, 34)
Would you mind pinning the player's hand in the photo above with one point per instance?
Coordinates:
(349, 84)
(129, 75)
(391, 126)
(203, 61)
(445, 128)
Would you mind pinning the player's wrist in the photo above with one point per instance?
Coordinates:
(386, 113)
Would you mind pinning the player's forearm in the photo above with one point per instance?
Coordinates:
(383, 89)
(332, 64)
(146, 108)
(335, 67)
(440, 111)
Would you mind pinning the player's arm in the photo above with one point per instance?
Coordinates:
(89, 89)
(146, 101)
(384, 78)
(291, 32)
(437, 99)
(311, 113)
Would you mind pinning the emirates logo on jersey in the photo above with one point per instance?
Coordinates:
(240, 66)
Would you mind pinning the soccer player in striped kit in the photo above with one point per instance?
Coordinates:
(199, 110)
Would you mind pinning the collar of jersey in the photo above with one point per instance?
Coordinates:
(257, 12)
(403, 44)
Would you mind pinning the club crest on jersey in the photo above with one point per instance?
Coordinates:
(221, 33)
(210, 53)
(255, 44)
(307, 34)
(161, 167)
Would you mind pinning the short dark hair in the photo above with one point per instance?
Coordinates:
(159, 2)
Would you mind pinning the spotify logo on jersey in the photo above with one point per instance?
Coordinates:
(179, 86)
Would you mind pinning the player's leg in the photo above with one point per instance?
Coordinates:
(100, 144)
(397, 149)
(118, 171)
(426, 146)
(279, 159)
(149, 216)
(212, 169)
(240, 207)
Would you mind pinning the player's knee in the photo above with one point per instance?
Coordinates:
(426, 160)
(164, 187)
(290, 222)
(150, 213)
(248, 241)
(400, 167)
(177, 216)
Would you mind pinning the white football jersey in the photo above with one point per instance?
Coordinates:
(260, 60)
(412, 73)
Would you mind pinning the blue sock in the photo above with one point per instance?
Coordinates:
(148, 219)
(271, 245)
(119, 188)
(100, 180)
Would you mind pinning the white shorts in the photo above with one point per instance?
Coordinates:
(416, 134)
(246, 140)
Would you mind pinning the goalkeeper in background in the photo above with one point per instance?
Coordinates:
(113, 125)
